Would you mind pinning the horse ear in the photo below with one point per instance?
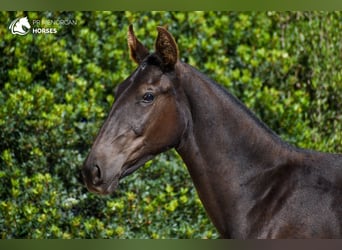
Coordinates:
(166, 47)
(137, 51)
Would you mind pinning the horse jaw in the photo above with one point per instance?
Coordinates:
(109, 163)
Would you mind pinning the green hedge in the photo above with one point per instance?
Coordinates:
(57, 89)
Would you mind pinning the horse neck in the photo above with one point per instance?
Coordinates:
(220, 121)
(224, 147)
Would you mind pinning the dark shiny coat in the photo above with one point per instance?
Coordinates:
(251, 183)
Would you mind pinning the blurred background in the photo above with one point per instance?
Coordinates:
(57, 89)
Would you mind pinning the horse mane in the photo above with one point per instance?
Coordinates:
(241, 106)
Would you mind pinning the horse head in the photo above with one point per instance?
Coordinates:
(145, 119)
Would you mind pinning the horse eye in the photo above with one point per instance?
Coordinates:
(143, 65)
(148, 97)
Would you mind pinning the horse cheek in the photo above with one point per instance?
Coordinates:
(163, 129)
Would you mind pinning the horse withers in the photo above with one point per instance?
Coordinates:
(251, 183)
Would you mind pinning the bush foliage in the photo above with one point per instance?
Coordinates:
(56, 90)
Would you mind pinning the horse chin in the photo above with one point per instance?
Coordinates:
(105, 188)
(111, 187)
(127, 169)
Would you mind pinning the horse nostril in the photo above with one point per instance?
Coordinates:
(96, 174)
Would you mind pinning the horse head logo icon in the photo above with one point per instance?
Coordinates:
(20, 26)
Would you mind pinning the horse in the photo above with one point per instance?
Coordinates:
(251, 183)
(17, 26)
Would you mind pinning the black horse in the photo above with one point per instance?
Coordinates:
(251, 183)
